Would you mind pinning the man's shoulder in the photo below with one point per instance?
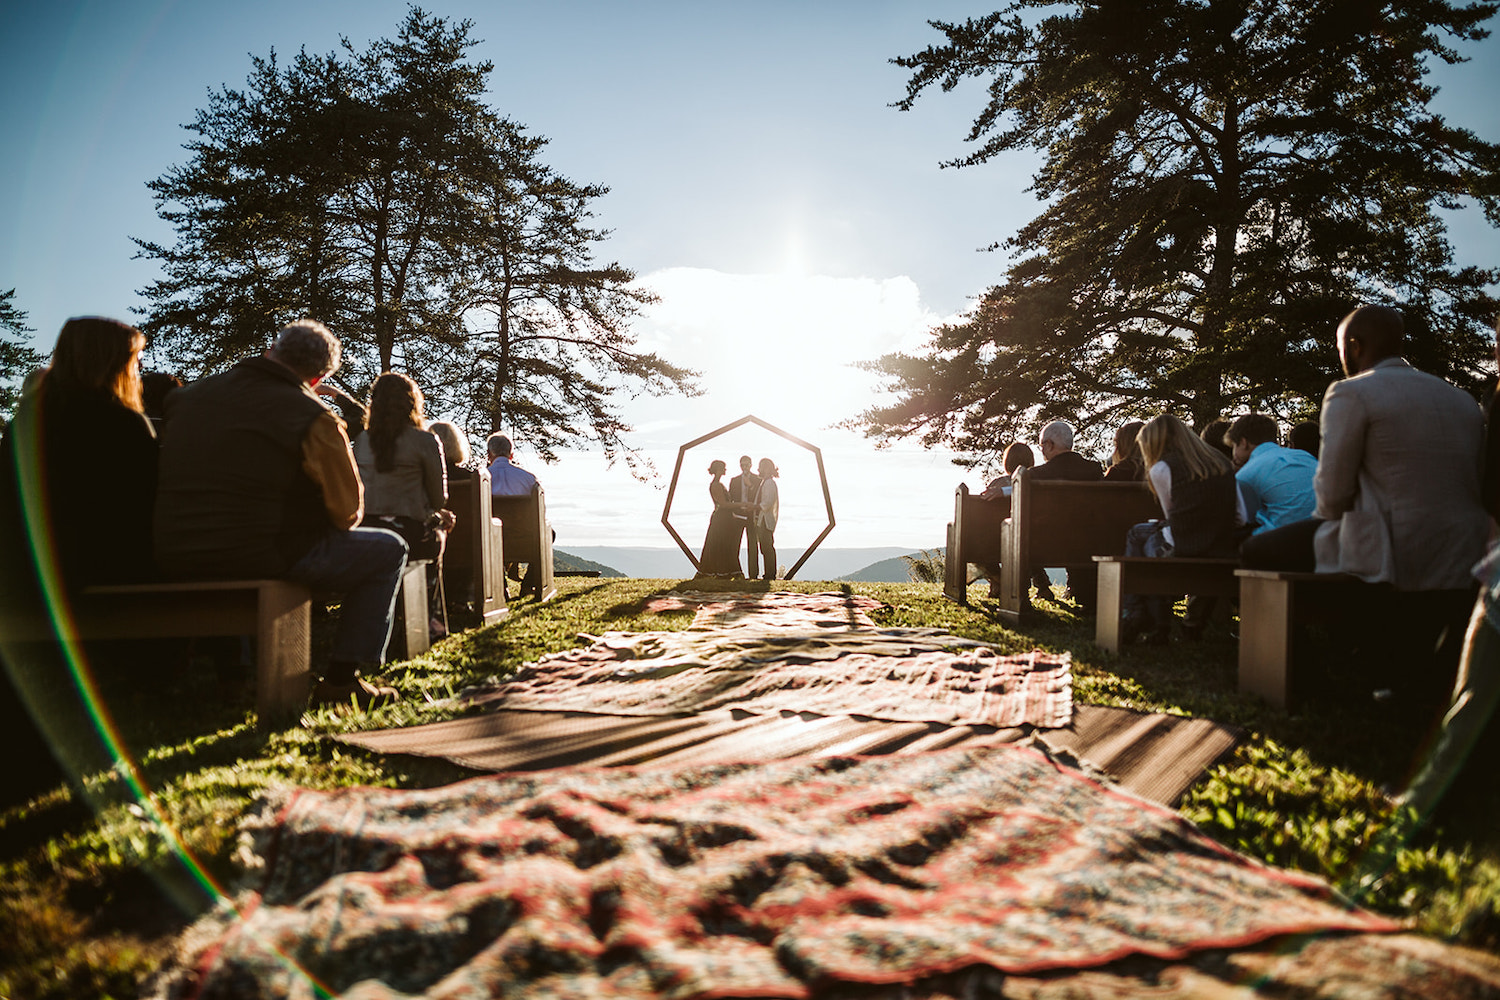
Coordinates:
(1069, 465)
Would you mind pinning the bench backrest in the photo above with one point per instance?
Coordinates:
(1062, 523)
(528, 536)
(974, 538)
(474, 559)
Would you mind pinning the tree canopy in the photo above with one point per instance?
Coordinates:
(1221, 181)
(17, 357)
(376, 191)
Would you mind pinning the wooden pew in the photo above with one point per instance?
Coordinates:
(1121, 575)
(277, 612)
(474, 561)
(527, 535)
(1059, 523)
(973, 537)
(1271, 603)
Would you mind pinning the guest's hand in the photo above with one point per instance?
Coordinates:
(446, 519)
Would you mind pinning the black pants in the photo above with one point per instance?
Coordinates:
(747, 532)
(1288, 548)
(766, 539)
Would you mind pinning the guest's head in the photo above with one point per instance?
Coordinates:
(498, 446)
(94, 354)
(1248, 433)
(717, 468)
(1165, 437)
(1213, 436)
(395, 405)
(1017, 455)
(455, 445)
(768, 469)
(154, 389)
(309, 349)
(1306, 436)
(1369, 335)
(1125, 441)
(745, 463)
(1056, 438)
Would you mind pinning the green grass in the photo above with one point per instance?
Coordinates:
(92, 892)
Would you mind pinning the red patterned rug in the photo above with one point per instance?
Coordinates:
(782, 879)
(901, 675)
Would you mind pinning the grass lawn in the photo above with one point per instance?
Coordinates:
(95, 884)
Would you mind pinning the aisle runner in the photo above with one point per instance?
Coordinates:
(774, 880)
(910, 677)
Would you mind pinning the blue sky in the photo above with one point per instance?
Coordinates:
(791, 219)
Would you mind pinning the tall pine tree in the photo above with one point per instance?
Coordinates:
(1222, 180)
(376, 191)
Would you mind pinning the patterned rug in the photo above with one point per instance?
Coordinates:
(777, 609)
(785, 879)
(910, 675)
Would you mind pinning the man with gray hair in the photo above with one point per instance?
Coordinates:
(1060, 461)
(257, 480)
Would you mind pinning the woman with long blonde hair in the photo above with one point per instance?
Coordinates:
(1194, 483)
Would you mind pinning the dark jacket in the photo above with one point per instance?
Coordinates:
(233, 501)
(1128, 470)
(1068, 465)
(1203, 512)
(97, 460)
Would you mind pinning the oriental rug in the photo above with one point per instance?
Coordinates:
(793, 879)
(777, 609)
(895, 674)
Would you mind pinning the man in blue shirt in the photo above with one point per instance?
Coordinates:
(506, 480)
(1276, 483)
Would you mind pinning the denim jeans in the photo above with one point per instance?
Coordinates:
(1147, 539)
(363, 564)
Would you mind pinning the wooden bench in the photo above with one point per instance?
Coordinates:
(973, 537)
(1121, 575)
(527, 535)
(1271, 603)
(1061, 523)
(277, 612)
(474, 561)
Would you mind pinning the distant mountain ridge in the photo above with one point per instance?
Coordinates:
(823, 564)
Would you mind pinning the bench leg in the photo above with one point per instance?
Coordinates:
(413, 601)
(282, 659)
(1266, 638)
(1111, 607)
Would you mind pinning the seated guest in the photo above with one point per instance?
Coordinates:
(506, 479)
(1213, 436)
(1061, 462)
(258, 480)
(455, 449)
(80, 435)
(154, 389)
(1397, 503)
(1304, 437)
(402, 467)
(406, 488)
(1195, 486)
(510, 480)
(1125, 464)
(1276, 483)
(1017, 456)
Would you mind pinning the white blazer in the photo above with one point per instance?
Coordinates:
(770, 505)
(1398, 480)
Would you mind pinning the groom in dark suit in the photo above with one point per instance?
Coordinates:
(744, 488)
